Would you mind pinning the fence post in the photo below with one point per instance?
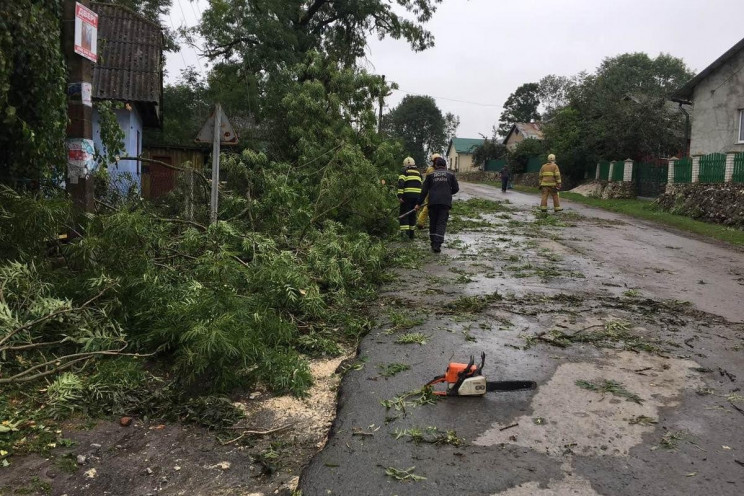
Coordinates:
(628, 170)
(695, 169)
(596, 175)
(609, 174)
(670, 171)
(729, 174)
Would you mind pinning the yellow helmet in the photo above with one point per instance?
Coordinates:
(435, 156)
(551, 158)
(409, 162)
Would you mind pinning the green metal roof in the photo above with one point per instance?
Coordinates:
(465, 145)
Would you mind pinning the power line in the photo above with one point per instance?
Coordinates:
(449, 99)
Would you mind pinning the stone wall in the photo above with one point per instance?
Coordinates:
(720, 203)
(606, 190)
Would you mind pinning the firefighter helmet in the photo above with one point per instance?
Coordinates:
(551, 158)
(435, 156)
(409, 162)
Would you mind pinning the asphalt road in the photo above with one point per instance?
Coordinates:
(587, 299)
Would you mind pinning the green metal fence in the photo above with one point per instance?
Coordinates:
(712, 168)
(494, 165)
(738, 168)
(650, 179)
(591, 171)
(618, 170)
(683, 170)
(533, 164)
(604, 170)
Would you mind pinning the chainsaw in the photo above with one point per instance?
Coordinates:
(468, 380)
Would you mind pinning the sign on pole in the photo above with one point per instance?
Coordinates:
(86, 32)
(227, 133)
(217, 130)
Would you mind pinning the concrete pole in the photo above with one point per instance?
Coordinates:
(215, 163)
(729, 175)
(609, 174)
(670, 170)
(80, 115)
(628, 171)
(695, 169)
(596, 174)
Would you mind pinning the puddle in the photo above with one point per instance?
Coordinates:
(576, 420)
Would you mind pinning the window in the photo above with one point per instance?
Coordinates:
(741, 126)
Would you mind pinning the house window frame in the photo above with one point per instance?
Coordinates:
(741, 126)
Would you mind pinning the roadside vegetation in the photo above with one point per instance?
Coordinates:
(647, 210)
(147, 309)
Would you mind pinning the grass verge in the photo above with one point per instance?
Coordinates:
(646, 210)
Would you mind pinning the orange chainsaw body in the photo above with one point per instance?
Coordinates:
(454, 370)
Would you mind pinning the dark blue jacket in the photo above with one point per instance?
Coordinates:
(440, 185)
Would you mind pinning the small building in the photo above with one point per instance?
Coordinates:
(460, 153)
(157, 178)
(521, 131)
(717, 96)
(129, 71)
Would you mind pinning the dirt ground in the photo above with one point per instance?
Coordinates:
(149, 458)
(647, 320)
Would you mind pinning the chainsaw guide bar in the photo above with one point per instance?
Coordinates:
(468, 380)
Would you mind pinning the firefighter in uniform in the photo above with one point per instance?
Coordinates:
(550, 184)
(409, 188)
(423, 214)
(440, 185)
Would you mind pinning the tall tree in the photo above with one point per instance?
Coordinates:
(625, 105)
(418, 123)
(521, 106)
(267, 34)
(451, 123)
(555, 92)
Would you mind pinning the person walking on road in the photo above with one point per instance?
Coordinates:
(504, 178)
(423, 214)
(440, 185)
(409, 188)
(550, 184)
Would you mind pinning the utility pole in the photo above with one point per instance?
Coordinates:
(79, 141)
(217, 137)
(382, 103)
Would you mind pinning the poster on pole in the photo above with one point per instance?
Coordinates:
(86, 32)
(80, 158)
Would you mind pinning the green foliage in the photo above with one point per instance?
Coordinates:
(33, 105)
(391, 369)
(521, 106)
(112, 135)
(608, 386)
(491, 149)
(419, 125)
(524, 150)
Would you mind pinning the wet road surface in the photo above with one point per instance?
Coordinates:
(632, 333)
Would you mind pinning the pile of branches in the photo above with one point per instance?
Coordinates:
(181, 305)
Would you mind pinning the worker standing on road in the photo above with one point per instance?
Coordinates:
(409, 188)
(440, 185)
(423, 214)
(505, 178)
(550, 184)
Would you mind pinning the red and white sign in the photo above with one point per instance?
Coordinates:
(86, 32)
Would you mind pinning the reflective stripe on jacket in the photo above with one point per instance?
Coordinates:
(409, 183)
(550, 175)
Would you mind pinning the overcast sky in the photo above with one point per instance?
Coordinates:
(485, 49)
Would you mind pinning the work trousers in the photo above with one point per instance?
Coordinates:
(438, 216)
(504, 184)
(549, 191)
(408, 222)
